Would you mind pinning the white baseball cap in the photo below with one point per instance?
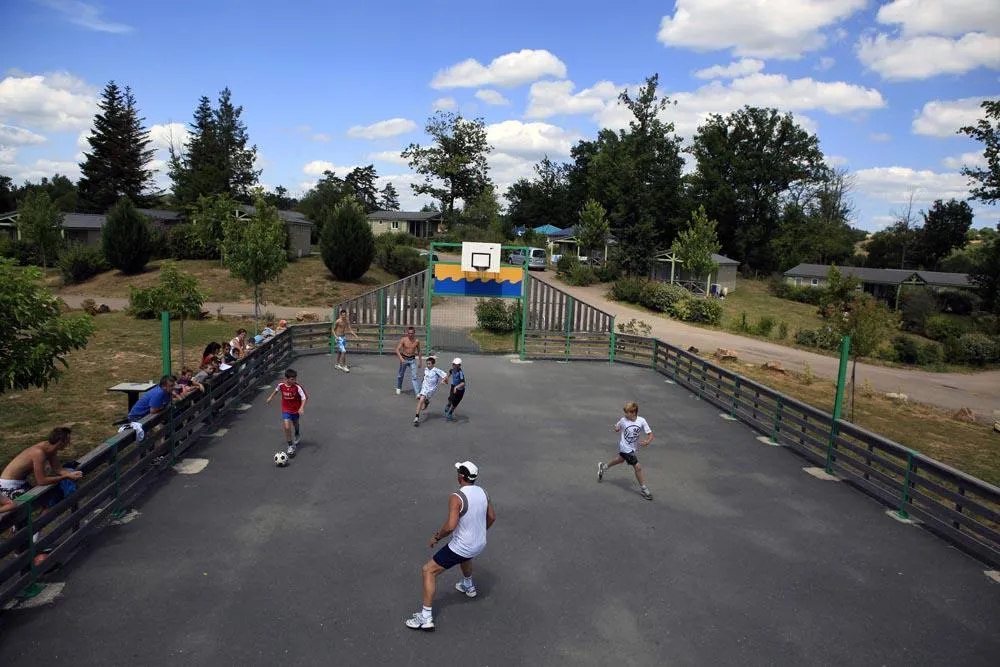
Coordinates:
(457, 361)
(468, 470)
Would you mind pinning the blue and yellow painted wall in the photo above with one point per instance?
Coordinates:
(449, 280)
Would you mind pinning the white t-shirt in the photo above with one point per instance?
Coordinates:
(432, 378)
(630, 431)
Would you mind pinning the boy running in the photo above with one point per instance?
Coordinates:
(432, 378)
(456, 376)
(341, 328)
(630, 426)
(293, 403)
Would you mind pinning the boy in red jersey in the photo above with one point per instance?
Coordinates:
(293, 402)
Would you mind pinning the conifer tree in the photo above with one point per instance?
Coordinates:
(347, 244)
(125, 238)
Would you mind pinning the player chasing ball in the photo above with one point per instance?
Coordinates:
(408, 353)
(341, 328)
(470, 515)
(630, 426)
(432, 378)
(456, 377)
(293, 404)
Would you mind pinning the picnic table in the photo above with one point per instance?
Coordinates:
(133, 390)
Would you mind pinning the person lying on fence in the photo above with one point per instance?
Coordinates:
(293, 404)
(32, 461)
(432, 378)
(154, 400)
(238, 344)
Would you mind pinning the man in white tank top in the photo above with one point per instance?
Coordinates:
(470, 515)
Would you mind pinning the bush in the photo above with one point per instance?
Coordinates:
(581, 275)
(783, 331)
(765, 325)
(143, 303)
(628, 289)
(706, 311)
(158, 246)
(184, 242)
(941, 328)
(81, 262)
(824, 339)
(498, 315)
(660, 296)
(959, 302)
(974, 349)
(347, 244)
(22, 252)
(566, 264)
(608, 272)
(917, 305)
(778, 286)
(680, 310)
(125, 238)
(909, 350)
(401, 261)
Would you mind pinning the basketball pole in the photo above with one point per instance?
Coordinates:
(429, 297)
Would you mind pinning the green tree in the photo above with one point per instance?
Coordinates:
(360, 182)
(347, 244)
(329, 191)
(34, 334)
(209, 217)
(838, 294)
(986, 179)
(592, 232)
(454, 166)
(869, 323)
(126, 238)
(8, 194)
(544, 199)
(254, 249)
(389, 198)
(179, 295)
(117, 164)
(945, 227)
(695, 245)
(484, 210)
(986, 274)
(40, 222)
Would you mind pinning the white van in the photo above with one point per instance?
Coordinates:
(537, 258)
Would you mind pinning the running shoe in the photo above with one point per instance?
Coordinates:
(418, 622)
(470, 592)
(601, 469)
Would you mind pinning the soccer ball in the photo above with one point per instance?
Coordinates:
(281, 459)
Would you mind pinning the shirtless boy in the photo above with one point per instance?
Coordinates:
(408, 351)
(14, 479)
(341, 328)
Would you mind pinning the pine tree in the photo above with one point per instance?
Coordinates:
(125, 238)
(347, 244)
(237, 160)
(389, 201)
(117, 164)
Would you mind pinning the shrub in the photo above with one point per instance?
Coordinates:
(158, 245)
(22, 252)
(143, 303)
(707, 311)
(917, 305)
(680, 310)
(184, 242)
(765, 325)
(628, 289)
(401, 260)
(960, 302)
(909, 350)
(975, 349)
(498, 315)
(566, 264)
(347, 244)
(941, 328)
(81, 262)
(125, 238)
(608, 272)
(660, 296)
(824, 338)
(783, 331)
(778, 286)
(931, 353)
(581, 275)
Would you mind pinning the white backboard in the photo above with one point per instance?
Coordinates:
(481, 257)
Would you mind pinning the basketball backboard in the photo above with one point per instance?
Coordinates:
(481, 257)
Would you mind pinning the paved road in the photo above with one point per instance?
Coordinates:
(980, 392)
(741, 559)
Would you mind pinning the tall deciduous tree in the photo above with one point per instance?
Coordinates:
(254, 250)
(389, 198)
(34, 334)
(815, 227)
(747, 162)
(126, 238)
(945, 227)
(40, 223)
(695, 245)
(986, 180)
(347, 245)
(592, 231)
(454, 165)
(986, 273)
(117, 164)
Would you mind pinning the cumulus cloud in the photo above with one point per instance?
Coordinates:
(162, 135)
(927, 56)
(970, 160)
(506, 71)
(530, 140)
(444, 104)
(319, 167)
(825, 63)
(551, 98)
(895, 184)
(955, 17)
(943, 118)
(491, 97)
(734, 69)
(764, 29)
(382, 129)
(12, 135)
(55, 102)
(393, 157)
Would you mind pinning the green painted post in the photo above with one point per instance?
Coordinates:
(899, 289)
(165, 341)
(777, 419)
(845, 353)
(611, 356)
(568, 324)
(429, 296)
(525, 292)
(656, 345)
(736, 398)
(31, 541)
(905, 499)
(381, 319)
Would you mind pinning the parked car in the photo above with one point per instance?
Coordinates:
(537, 258)
(424, 253)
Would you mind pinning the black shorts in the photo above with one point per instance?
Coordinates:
(455, 398)
(630, 457)
(447, 558)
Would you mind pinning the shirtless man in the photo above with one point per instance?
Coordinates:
(14, 479)
(341, 328)
(408, 351)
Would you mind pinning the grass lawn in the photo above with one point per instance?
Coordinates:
(121, 350)
(752, 298)
(305, 282)
(490, 342)
(972, 448)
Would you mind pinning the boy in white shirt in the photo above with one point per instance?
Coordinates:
(432, 378)
(631, 426)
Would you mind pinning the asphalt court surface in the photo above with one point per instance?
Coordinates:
(740, 559)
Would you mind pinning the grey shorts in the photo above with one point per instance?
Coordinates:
(630, 458)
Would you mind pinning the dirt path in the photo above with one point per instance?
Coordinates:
(980, 392)
(281, 312)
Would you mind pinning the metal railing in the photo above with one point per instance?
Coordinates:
(54, 523)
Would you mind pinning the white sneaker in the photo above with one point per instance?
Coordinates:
(398, 392)
(646, 494)
(469, 592)
(345, 368)
(338, 367)
(602, 468)
(418, 622)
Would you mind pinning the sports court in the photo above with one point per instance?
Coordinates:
(740, 559)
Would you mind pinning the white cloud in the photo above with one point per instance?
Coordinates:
(971, 160)
(55, 102)
(320, 136)
(382, 129)
(81, 140)
(86, 15)
(928, 55)
(880, 137)
(506, 71)
(318, 167)
(7, 156)
(402, 182)
(444, 104)
(943, 118)
(163, 134)
(734, 69)
(36, 170)
(955, 17)
(825, 63)
(550, 98)
(764, 28)
(12, 135)
(393, 157)
(894, 184)
(505, 169)
(491, 97)
(530, 140)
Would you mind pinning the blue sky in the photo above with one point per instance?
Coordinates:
(332, 85)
